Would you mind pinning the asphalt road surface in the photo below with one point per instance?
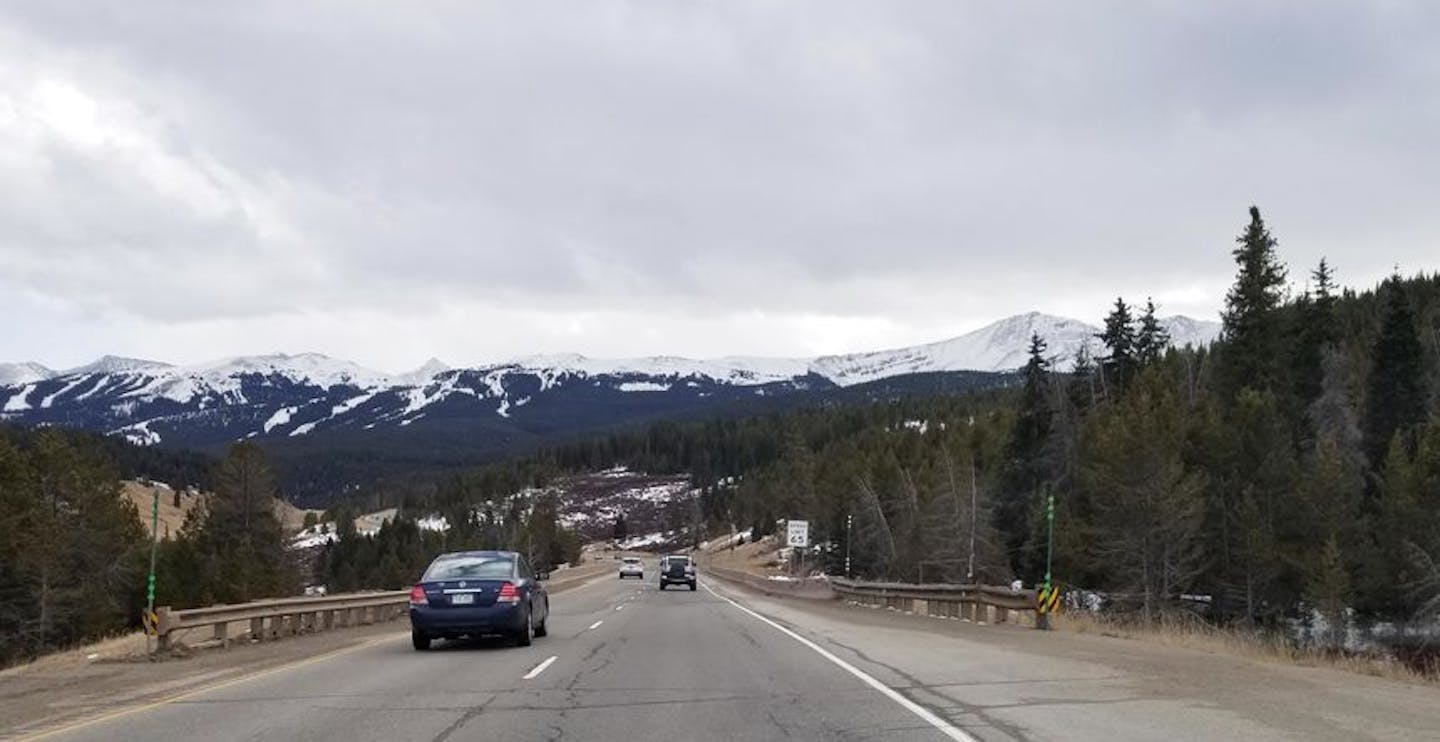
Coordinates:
(624, 661)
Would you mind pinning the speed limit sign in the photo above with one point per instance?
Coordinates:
(797, 533)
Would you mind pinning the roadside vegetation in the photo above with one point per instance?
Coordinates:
(1286, 479)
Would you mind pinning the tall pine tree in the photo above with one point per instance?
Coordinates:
(1253, 331)
(1395, 398)
(1118, 366)
(1318, 330)
(1152, 339)
(1026, 468)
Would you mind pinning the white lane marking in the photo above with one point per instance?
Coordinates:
(619, 607)
(945, 727)
(595, 625)
(539, 668)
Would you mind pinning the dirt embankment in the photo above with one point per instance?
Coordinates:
(177, 504)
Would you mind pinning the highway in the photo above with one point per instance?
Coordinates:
(624, 661)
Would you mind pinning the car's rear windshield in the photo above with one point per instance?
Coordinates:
(470, 568)
(631, 560)
(678, 561)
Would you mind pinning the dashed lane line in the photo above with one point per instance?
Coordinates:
(595, 625)
(540, 668)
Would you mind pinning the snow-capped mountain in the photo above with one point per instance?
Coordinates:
(1002, 346)
(283, 396)
(427, 371)
(22, 373)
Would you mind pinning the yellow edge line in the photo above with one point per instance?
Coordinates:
(78, 725)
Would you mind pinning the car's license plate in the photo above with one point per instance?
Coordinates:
(463, 598)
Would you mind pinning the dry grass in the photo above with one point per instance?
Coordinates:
(759, 557)
(122, 647)
(1195, 634)
(172, 518)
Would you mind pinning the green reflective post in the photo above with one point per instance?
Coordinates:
(154, 542)
(1042, 617)
(1050, 538)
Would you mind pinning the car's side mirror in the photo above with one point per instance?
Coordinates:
(542, 576)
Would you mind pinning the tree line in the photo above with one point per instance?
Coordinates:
(74, 554)
(1292, 466)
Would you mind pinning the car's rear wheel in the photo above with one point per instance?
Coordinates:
(523, 639)
(420, 639)
(692, 587)
(540, 629)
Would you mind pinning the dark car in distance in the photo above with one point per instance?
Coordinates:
(478, 593)
(677, 569)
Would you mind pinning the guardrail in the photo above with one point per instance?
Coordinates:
(814, 589)
(273, 619)
(979, 603)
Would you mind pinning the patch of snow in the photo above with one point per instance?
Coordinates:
(351, 404)
(433, 523)
(280, 417)
(649, 539)
(504, 409)
(643, 386)
(920, 426)
(17, 401)
(139, 434)
(303, 428)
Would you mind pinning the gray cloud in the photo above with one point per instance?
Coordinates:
(481, 180)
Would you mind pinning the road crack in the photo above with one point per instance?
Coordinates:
(915, 684)
(465, 718)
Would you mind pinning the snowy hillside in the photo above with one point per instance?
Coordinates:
(22, 373)
(1001, 346)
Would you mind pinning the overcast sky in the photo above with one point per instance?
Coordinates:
(386, 182)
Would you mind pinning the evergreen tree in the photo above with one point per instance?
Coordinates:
(1253, 330)
(1251, 496)
(1152, 338)
(1318, 331)
(1026, 467)
(70, 546)
(1329, 592)
(241, 538)
(1149, 508)
(1396, 396)
(1120, 361)
(1082, 380)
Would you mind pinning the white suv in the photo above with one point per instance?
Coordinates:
(632, 567)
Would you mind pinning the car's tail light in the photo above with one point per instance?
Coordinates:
(508, 594)
(417, 596)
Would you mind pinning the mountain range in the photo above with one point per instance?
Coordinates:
(299, 399)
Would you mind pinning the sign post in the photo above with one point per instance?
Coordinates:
(149, 617)
(1042, 618)
(849, 520)
(797, 537)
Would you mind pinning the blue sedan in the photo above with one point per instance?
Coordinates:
(475, 593)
